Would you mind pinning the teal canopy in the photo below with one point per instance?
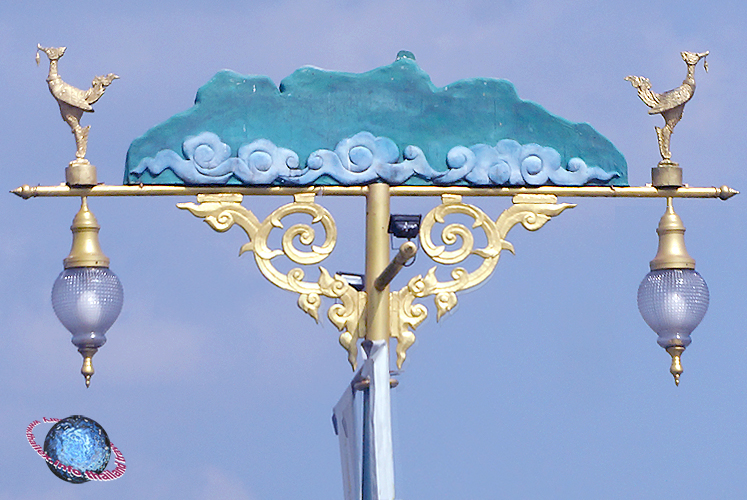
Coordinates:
(390, 125)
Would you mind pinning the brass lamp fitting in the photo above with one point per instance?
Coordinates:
(672, 253)
(87, 368)
(672, 257)
(86, 250)
(676, 368)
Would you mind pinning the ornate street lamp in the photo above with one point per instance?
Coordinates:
(244, 136)
(673, 297)
(87, 297)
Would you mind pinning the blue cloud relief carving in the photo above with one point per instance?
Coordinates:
(510, 163)
(364, 158)
(207, 160)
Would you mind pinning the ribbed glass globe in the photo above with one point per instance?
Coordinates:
(87, 301)
(673, 302)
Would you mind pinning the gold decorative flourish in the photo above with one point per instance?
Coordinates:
(223, 211)
(531, 211)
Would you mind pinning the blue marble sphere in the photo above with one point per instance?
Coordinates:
(80, 443)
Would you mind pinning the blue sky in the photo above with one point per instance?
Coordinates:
(545, 383)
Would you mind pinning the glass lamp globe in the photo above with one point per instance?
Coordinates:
(673, 302)
(87, 301)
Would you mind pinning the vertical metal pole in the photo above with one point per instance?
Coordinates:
(377, 258)
(378, 457)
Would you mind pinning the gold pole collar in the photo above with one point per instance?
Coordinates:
(86, 250)
(672, 253)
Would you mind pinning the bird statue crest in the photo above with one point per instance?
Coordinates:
(669, 104)
(73, 102)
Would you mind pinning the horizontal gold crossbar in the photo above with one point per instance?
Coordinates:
(723, 192)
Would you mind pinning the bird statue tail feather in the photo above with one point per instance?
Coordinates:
(643, 86)
(98, 86)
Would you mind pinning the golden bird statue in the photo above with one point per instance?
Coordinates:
(73, 101)
(669, 104)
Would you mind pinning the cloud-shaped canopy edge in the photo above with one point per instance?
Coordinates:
(315, 109)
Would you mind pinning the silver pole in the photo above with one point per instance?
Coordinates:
(378, 456)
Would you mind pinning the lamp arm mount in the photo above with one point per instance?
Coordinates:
(223, 211)
(530, 210)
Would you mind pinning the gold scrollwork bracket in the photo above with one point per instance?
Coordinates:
(223, 211)
(530, 210)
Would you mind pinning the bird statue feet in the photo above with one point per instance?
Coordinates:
(81, 141)
(667, 163)
(663, 135)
